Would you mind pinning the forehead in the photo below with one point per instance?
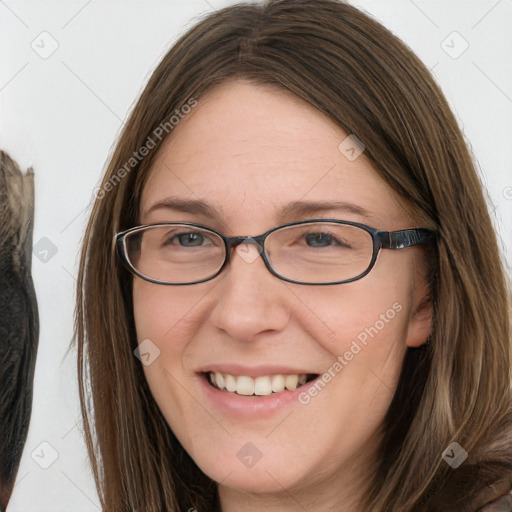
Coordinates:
(248, 149)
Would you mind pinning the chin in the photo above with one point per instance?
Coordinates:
(264, 477)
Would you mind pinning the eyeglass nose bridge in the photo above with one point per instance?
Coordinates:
(235, 241)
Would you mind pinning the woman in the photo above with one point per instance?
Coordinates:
(290, 292)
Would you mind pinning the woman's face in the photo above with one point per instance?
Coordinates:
(249, 152)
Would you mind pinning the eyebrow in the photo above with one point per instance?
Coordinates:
(286, 213)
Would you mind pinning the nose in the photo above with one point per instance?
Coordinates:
(250, 300)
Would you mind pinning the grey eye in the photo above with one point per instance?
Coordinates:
(189, 239)
(319, 239)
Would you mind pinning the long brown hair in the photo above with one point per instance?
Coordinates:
(455, 389)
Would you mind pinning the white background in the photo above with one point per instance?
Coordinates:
(61, 114)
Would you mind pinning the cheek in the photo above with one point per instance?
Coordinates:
(362, 311)
(166, 318)
(167, 315)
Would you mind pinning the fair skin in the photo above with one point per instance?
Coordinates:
(248, 151)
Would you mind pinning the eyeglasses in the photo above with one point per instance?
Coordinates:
(316, 252)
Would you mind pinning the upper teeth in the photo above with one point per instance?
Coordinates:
(263, 385)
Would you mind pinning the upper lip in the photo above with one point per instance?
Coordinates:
(253, 371)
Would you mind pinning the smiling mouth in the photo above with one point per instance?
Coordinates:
(260, 386)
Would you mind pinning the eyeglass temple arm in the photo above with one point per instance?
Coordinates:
(405, 238)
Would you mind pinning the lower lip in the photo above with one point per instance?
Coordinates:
(250, 407)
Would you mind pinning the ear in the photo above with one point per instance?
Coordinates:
(420, 323)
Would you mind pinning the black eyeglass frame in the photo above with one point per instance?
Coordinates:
(400, 239)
